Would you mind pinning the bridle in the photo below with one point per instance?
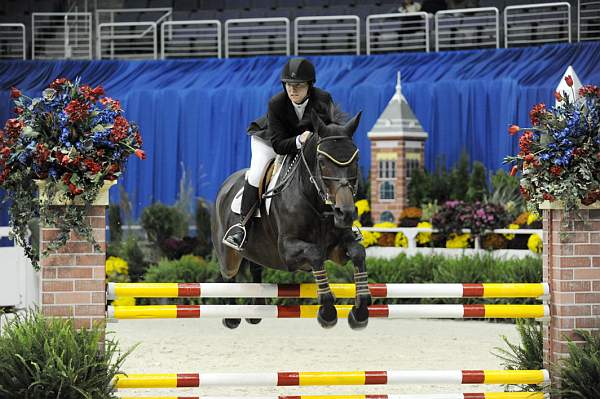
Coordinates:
(318, 180)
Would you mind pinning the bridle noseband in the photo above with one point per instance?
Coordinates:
(318, 180)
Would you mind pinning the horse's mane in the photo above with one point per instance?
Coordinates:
(337, 116)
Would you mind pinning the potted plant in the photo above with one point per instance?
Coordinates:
(559, 155)
(63, 145)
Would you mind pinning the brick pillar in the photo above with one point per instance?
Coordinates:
(73, 278)
(572, 268)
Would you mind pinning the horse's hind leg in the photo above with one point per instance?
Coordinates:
(256, 272)
(229, 323)
(359, 315)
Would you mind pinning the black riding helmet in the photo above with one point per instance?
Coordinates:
(298, 70)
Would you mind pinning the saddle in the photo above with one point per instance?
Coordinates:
(267, 182)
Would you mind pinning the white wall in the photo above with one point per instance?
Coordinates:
(19, 282)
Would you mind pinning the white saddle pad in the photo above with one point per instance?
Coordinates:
(236, 204)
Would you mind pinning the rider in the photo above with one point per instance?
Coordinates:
(289, 126)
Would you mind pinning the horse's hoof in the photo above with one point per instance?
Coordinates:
(358, 318)
(327, 316)
(232, 323)
(253, 321)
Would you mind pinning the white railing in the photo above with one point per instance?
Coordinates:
(127, 40)
(537, 23)
(411, 233)
(467, 28)
(257, 36)
(397, 32)
(12, 41)
(588, 20)
(61, 35)
(19, 285)
(190, 39)
(335, 34)
(157, 15)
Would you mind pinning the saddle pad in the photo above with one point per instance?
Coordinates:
(236, 204)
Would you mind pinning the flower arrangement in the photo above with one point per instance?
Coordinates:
(410, 217)
(479, 217)
(424, 238)
(535, 244)
(386, 239)
(559, 155)
(401, 240)
(458, 241)
(73, 138)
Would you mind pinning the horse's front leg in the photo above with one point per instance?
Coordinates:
(358, 317)
(296, 251)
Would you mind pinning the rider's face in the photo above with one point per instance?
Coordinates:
(296, 91)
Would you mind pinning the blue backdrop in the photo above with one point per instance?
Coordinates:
(193, 113)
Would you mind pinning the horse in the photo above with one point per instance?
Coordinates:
(309, 221)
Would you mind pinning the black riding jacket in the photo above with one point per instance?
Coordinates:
(283, 125)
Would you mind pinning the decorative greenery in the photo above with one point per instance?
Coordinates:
(162, 222)
(478, 217)
(46, 358)
(72, 139)
(559, 155)
(114, 222)
(528, 355)
(204, 241)
(478, 188)
(459, 176)
(579, 373)
(505, 190)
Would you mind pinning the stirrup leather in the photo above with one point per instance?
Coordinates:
(230, 245)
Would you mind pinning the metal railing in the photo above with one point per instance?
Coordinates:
(588, 20)
(257, 36)
(190, 39)
(335, 34)
(467, 28)
(61, 35)
(397, 32)
(157, 15)
(127, 40)
(537, 24)
(12, 41)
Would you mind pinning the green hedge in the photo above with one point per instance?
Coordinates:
(402, 269)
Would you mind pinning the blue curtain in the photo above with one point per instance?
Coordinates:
(193, 113)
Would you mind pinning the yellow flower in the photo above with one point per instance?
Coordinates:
(124, 301)
(116, 265)
(401, 240)
(511, 226)
(458, 241)
(370, 238)
(532, 218)
(424, 238)
(362, 206)
(385, 225)
(535, 243)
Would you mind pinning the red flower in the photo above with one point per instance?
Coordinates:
(556, 170)
(535, 113)
(589, 90)
(77, 110)
(92, 166)
(569, 80)
(548, 197)
(138, 138)
(140, 154)
(74, 190)
(529, 157)
(5, 152)
(58, 83)
(18, 110)
(524, 192)
(578, 151)
(67, 177)
(120, 129)
(514, 170)
(13, 127)
(113, 168)
(91, 94)
(115, 105)
(557, 96)
(525, 141)
(41, 153)
(15, 93)
(513, 130)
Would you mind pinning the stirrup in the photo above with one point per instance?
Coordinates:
(357, 234)
(230, 245)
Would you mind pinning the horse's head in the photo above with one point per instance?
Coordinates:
(337, 167)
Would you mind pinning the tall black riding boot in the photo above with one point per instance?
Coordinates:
(235, 237)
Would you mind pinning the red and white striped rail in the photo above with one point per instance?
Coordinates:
(310, 311)
(254, 290)
(481, 395)
(320, 378)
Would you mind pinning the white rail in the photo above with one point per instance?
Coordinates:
(397, 32)
(334, 34)
(12, 41)
(588, 20)
(257, 36)
(537, 23)
(127, 40)
(190, 39)
(61, 35)
(467, 28)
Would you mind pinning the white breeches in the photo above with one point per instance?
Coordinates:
(262, 153)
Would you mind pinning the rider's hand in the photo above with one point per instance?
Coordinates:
(304, 136)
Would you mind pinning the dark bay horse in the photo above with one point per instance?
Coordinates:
(309, 221)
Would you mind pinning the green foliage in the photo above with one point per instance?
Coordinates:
(134, 256)
(506, 191)
(441, 186)
(185, 196)
(478, 188)
(419, 188)
(528, 355)
(114, 222)
(204, 242)
(187, 269)
(459, 177)
(47, 358)
(579, 373)
(161, 222)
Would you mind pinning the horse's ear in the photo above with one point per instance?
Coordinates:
(317, 122)
(352, 124)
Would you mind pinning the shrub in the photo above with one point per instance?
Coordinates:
(115, 223)
(478, 188)
(187, 269)
(47, 358)
(203, 241)
(133, 254)
(579, 373)
(459, 176)
(161, 222)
